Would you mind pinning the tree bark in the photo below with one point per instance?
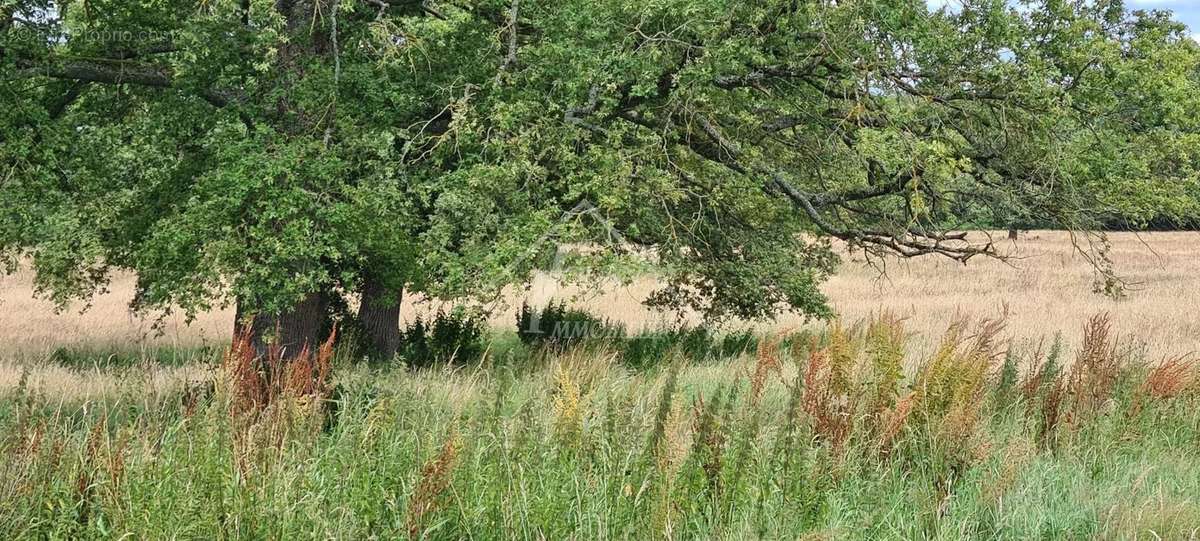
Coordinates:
(293, 330)
(379, 314)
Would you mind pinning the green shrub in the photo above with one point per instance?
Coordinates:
(447, 337)
(650, 347)
(738, 342)
(561, 327)
(646, 350)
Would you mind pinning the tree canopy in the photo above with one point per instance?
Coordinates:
(278, 153)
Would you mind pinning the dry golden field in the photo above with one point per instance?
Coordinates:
(1046, 287)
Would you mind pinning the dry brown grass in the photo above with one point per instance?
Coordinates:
(1171, 377)
(78, 385)
(1047, 288)
(431, 486)
(256, 381)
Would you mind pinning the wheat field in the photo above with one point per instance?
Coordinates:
(1045, 287)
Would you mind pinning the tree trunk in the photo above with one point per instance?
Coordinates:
(300, 325)
(1012, 233)
(292, 331)
(379, 314)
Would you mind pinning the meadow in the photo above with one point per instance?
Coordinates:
(980, 402)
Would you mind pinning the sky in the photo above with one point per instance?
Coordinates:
(1186, 11)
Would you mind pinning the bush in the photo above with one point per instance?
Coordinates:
(454, 337)
(737, 343)
(649, 348)
(560, 327)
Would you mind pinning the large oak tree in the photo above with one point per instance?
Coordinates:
(280, 154)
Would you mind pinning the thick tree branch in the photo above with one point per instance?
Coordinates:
(576, 115)
(60, 105)
(758, 76)
(410, 4)
(912, 241)
(510, 60)
(119, 73)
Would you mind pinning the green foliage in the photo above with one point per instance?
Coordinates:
(456, 337)
(1052, 369)
(1006, 384)
(559, 327)
(651, 348)
(885, 341)
(295, 148)
(92, 357)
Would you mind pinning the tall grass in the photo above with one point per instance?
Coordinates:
(807, 436)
